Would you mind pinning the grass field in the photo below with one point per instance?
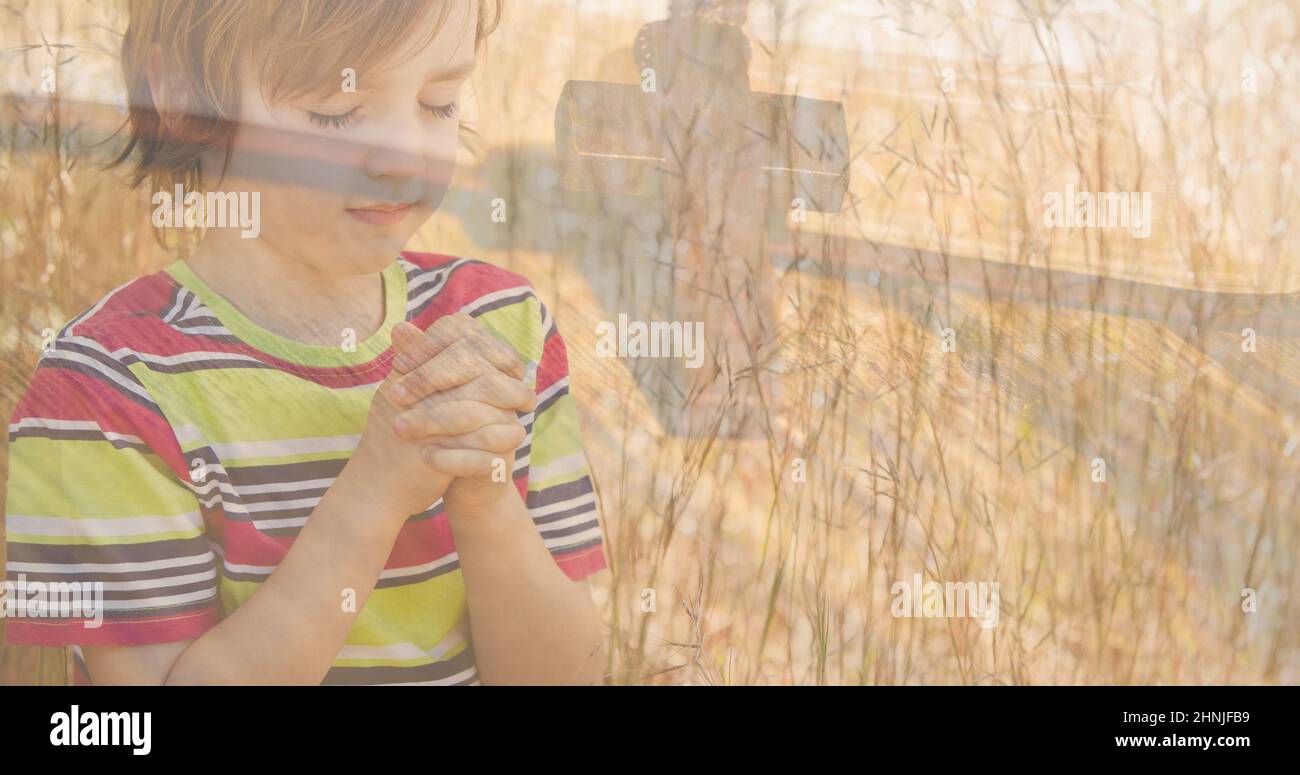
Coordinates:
(772, 559)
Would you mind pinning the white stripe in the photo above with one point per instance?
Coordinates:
(554, 544)
(387, 573)
(194, 308)
(205, 330)
(556, 508)
(567, 522)
(22, 524)
(564, 466)
(404, 650)
(181, 295)
(38, 609)
(297, 503)
(88, 568)
(555, 387)
(438, 281)
(483, 301)
(415, 570)
(276, 524)
(234, 450)
(457, 678)
(284, 487)
(428, 282)
(188, 357)
(166, 581)
(157, 602)
(71, 425)
(99, 367)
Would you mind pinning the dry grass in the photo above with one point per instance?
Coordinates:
(970, 465)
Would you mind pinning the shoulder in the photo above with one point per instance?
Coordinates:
(129, 318)
(83, 370)
(441, 284)
(502, 300)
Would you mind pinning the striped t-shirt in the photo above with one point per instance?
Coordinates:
(170, 448)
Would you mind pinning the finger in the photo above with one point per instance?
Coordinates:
(444, 332)
(460, 462)
(502, 356)
(404, 335)
(454, 366)
(493, 388)
(436, 338)
(450, 418)
(498, 438)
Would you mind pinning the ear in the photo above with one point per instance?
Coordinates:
(169, 97)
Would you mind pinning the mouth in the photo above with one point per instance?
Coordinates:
(381, 214)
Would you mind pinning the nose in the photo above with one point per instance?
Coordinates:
(401, 148)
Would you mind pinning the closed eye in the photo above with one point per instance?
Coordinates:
(334, 121)
(442, 111)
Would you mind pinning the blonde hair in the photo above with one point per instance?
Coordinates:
(296, 45)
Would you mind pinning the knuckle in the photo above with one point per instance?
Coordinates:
(415, 383)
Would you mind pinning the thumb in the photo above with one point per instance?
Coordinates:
(404, 334)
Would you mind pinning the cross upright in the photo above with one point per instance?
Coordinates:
(721, 157)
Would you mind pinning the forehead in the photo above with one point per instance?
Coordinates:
(382, 44)
(447, 55)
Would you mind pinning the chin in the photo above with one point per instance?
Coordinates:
(373, 255)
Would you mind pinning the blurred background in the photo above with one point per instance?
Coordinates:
(950, 368)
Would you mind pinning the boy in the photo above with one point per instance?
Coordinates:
(292, 458)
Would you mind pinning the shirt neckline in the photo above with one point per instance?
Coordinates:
(301, 353)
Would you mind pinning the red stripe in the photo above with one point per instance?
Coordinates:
(135, 632)
(121, 324)
(417, 543)
(467, 284)
(61, 394)
(428, 260)
(582, 563)
(554, 365)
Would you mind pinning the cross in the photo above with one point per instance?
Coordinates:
(720, 156)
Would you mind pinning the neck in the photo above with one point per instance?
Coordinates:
(286, 295)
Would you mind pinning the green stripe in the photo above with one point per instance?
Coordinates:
(69, 478)
(233, 405)
(518, 325)
(290, 349)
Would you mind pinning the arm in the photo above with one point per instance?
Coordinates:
(292, 628)
(530, 622)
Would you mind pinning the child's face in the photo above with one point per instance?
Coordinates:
(346, 177)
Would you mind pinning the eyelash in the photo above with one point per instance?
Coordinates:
(443, 111)
(338, 121)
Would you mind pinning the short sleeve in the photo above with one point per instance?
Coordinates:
(105, 543)
(551, 466)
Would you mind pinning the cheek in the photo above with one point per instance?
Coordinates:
(302, 165)
(441, 163)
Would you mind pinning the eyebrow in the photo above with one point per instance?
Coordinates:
(457, 72)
